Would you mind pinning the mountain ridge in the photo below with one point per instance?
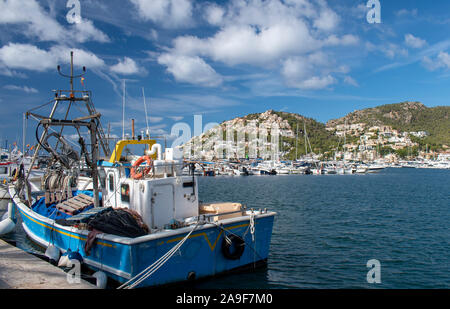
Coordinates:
(326, 138)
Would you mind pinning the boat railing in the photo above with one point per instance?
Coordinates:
(157, 170)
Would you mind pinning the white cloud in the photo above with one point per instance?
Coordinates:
(193, 70)
(390, 50)
(167, 13)
(214, 14)
(85, 31)
(441, 61)
(176, 118)
(155, 119)
(317, 82)
(127, 66)
(345, 40)
(30, 57)
(250, 44)
(407, 13)
(29, 13)
(414, 42)
(10, 73)
(33, 21)
(259, 33)
(351, 81)
(310, 72)
(327, 20)
(21, 88)
(26, 56)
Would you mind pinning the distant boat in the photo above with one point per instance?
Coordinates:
(267, 172)
(361, 170)
(373, 168)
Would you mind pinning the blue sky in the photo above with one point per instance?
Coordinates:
(222, 59)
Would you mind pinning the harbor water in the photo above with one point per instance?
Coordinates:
(329, 226)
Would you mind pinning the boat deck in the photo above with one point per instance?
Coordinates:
(21, 270)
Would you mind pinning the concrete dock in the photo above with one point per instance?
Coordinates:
(21, 270)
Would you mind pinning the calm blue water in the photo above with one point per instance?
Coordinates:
(329, 226)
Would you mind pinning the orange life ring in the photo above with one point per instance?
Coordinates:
(136, 164)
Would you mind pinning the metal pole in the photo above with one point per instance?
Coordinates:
(123, 111)
(94, 150)
(23, 136)
(71, 73)
(145, 107)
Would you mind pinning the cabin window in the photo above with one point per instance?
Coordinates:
(3, 170)
(111, 183)
(125, 192)
(102, 177)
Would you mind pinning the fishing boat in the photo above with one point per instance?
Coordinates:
(142, 224)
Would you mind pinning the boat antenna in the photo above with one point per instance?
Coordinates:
(146, 117)
(71, 76)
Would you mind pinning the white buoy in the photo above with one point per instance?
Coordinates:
(7, 225)
(102, 279)
(52, 253)
(63, 261)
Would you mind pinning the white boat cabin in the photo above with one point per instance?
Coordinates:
(162, 196)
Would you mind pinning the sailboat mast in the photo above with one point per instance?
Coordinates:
(123, 111)
(296, 143)
(304, 133)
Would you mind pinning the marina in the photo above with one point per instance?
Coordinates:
(224, 152)
(259, 167)
(373, 216)
(139, 221)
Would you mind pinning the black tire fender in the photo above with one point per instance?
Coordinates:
(234, 247)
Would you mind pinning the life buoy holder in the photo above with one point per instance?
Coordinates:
(133, 172)
(233, 247)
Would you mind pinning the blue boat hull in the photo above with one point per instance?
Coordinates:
(122, 258)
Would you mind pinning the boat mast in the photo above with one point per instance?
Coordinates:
(296, 143)
(304, 133)
(123, 111)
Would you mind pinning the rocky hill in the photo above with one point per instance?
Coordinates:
(405, 117)
(399, 122)
(291, 134)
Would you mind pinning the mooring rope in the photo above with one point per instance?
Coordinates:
(150, 270)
